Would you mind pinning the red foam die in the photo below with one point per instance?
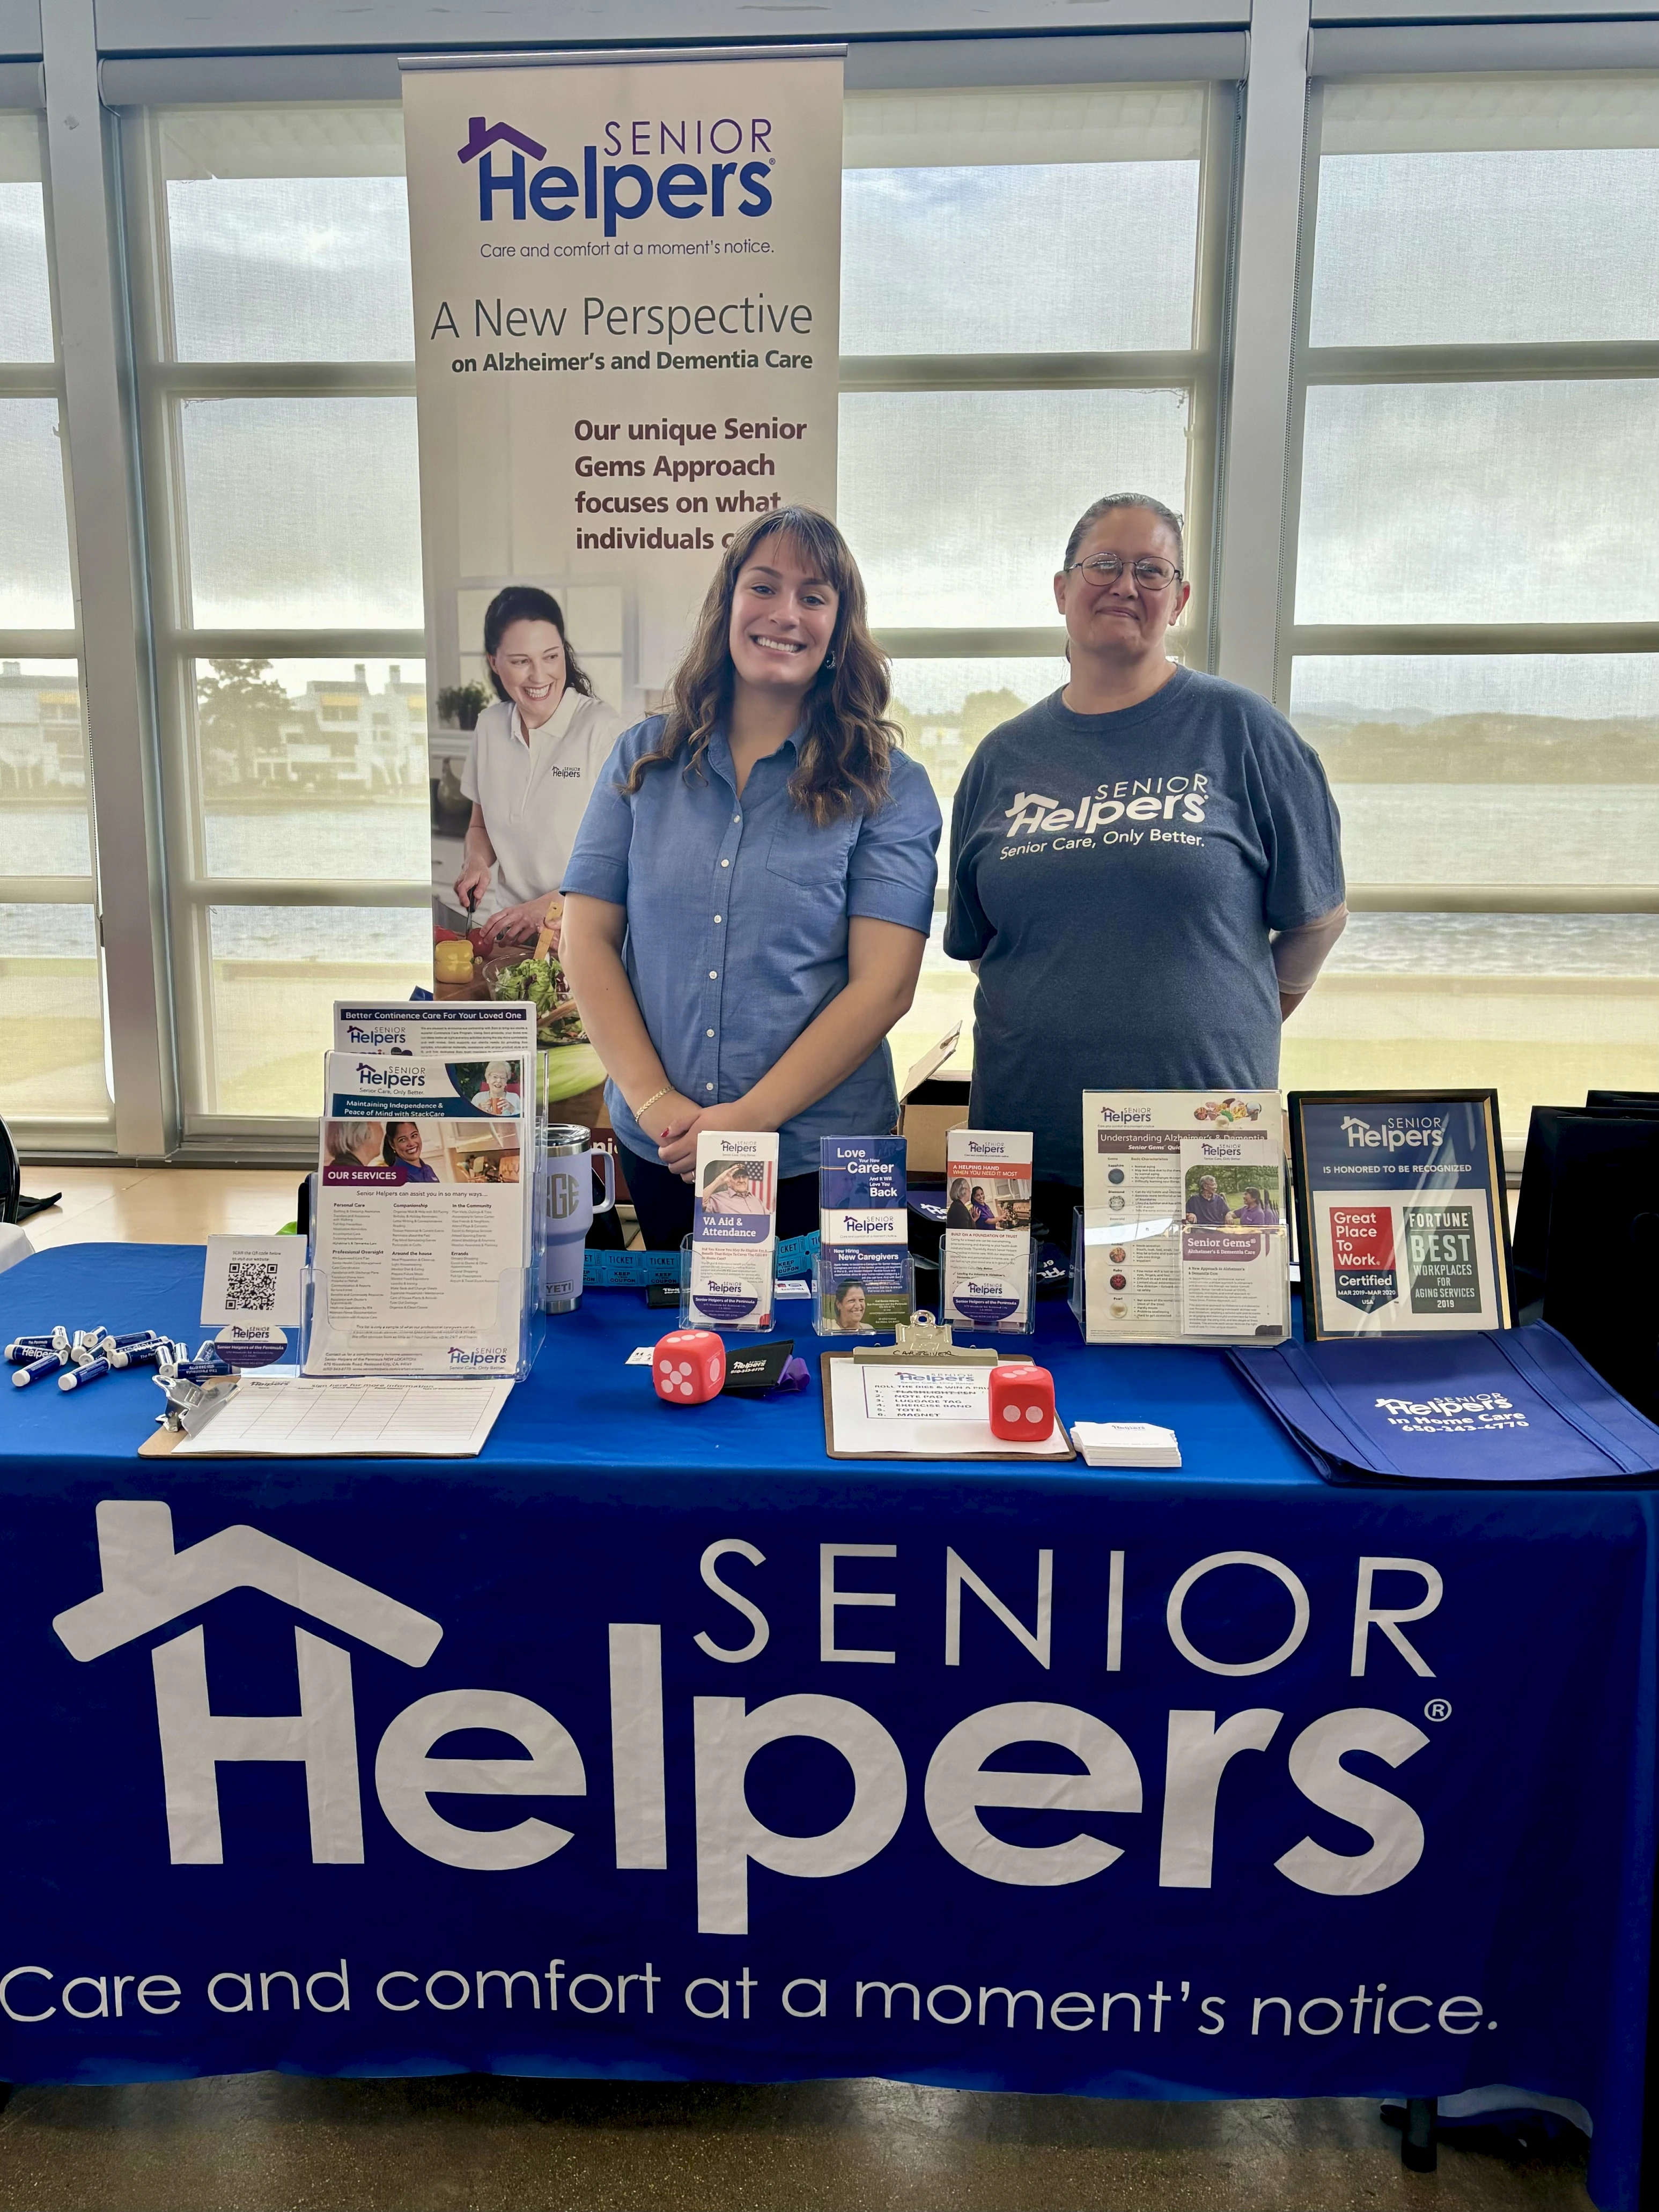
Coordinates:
(689, 1366)
(1022, 1404)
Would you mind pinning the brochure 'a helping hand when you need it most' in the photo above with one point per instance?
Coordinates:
(423, 1193)
(985, 1256)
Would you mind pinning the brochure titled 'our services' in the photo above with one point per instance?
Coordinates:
(422, 1216)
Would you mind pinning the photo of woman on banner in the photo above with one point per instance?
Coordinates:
(1180, 878)
(851, 1303)
(958, 1211)
(750, 896)
(534, 759)
(402, 1149)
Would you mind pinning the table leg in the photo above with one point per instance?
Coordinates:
(1417, 2147)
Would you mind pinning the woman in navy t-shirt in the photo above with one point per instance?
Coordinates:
(1145, 868)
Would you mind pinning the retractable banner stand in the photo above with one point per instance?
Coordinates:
(627, 272)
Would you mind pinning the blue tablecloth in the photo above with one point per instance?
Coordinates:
(576, 1759)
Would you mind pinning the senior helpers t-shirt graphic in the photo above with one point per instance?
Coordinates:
(1131, 810)
(1117, 877)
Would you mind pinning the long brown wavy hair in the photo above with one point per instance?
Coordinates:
(846, 746)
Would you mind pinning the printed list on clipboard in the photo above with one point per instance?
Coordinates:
(929, 1411)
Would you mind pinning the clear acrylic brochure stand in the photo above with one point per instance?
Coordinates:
(1124, 1270)
(1008, 1324)
(758, 1321)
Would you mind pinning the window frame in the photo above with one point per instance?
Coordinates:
(1460, 363)
(163, 385)
(64, 1132)
(1199, 371)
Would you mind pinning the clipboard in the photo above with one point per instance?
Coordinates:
(829, 1360)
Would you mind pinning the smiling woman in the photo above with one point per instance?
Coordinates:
(1182, 874)
(750, 896)
(534, 759)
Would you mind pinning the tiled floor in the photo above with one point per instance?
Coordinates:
(269, 2143)
(273, 2143)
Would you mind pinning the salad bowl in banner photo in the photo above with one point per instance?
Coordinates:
(572, 1073)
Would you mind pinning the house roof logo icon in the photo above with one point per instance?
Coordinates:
(481, 135)
(148, 1584)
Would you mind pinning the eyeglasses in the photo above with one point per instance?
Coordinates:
(1151, 574)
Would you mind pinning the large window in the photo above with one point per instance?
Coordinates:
(279, 419)
(1471, 635)
(52, 1063)
(1028, 318)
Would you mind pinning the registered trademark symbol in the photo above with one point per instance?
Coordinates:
(1438, 1709)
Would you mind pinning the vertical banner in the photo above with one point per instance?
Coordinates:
(627, 272)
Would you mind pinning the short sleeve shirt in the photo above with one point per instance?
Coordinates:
(533, 793)
(1118, 877)
(738, 915)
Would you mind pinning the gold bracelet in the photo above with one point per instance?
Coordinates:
(651, 1100)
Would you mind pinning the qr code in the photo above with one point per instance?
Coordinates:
(251, 1286)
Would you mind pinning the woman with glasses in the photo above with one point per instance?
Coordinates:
(752, 886)
(1146, 869)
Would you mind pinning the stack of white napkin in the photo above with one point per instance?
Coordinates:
(1126, 1443)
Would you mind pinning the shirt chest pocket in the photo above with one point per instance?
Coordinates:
(811, 858)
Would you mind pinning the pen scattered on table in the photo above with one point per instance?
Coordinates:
(76, 1359)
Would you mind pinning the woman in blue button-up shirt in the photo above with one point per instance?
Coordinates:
(752, 883)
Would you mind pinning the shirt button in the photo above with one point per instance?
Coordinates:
(708, 1086)
(708, 1032)
(726, 864)
(714, 974)
(737, 817)
(719, 917)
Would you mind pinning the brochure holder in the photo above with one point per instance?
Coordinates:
(824, 1288)
(1184, 1226)
(755, 1324)
(533, 1331)
(422, 1349)
(1110, 1250)
(1006, 1325)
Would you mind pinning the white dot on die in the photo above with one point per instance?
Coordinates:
(1034, 1413)
(684, 1368)
(685, 1389)
(667, 1365)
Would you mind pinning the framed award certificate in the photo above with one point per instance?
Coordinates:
(1399, 1213)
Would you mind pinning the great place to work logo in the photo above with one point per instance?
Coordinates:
(694, 167)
